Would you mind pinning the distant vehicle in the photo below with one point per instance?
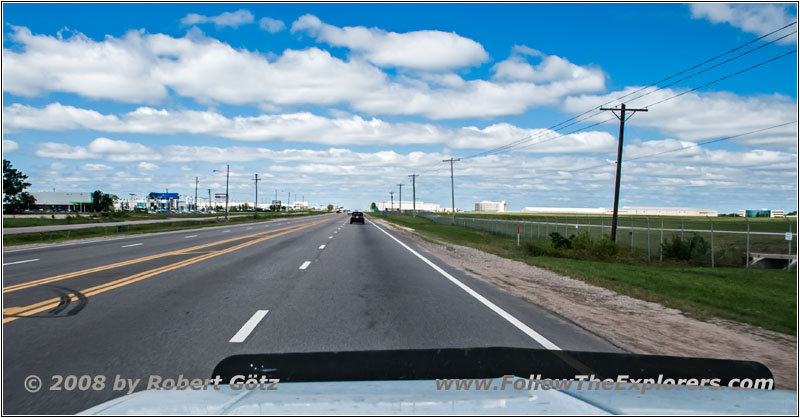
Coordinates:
(356, 217)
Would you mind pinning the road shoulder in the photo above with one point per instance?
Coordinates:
(632, 324)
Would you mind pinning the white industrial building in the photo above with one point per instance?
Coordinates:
(487, 206)
(626, 210)
(62, 201)
(409, 205)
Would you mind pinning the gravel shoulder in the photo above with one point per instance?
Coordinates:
(631, 324)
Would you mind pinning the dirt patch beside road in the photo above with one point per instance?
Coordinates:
(637, 326)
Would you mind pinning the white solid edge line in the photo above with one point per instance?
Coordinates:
(544, 342)
(321, 247)
(131, 245)
(191, 236)
(305, 265)
(20, 262)
(248, 326)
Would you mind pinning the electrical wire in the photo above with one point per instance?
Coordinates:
(558, 125)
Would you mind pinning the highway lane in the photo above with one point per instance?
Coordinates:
(52, 259)
(362, 290)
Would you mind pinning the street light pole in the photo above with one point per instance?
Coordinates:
(255, 203)
(195, 192)
(227, 178)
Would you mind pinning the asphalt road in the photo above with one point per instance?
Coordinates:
(177, 303)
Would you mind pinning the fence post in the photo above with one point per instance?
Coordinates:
(661, 243)
(712, 241)
(747, 256)
(631, 233)
(602, 227)
(648, 239)
(789, 259)
(681, 229)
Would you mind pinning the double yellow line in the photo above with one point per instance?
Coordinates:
(19, 312)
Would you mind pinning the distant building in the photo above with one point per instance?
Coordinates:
(626, 210)
(62, 201)
(487, 206)
(167, 201)
(409, 205)
(761, 213)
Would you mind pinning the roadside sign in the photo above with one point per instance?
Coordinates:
(787, 236)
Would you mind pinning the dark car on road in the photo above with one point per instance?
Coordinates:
(356, 217)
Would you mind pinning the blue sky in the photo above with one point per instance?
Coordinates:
(340, 102)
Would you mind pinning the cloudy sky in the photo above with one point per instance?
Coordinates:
(338, 103)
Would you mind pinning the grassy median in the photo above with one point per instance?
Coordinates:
(88, 218)
(766, 298)
(144, 228)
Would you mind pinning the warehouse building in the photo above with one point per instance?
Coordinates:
(487, 206)
(627, 211)
(409, 205)
(62, 201)
(761, 213)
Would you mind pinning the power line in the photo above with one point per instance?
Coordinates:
(699, 144)
(671, 97)
(724, 78)
(559, 127)
(711, 67)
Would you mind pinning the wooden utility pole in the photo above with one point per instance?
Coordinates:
(622, 119)
(414, 193)
(452, 189)
(400, 208)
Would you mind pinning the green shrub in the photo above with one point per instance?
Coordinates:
(537, 250)
(582, 241)
(605, 248)
(560, 242)
(695, 249)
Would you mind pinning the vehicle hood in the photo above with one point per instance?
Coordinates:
(379, 382)
(420, 397)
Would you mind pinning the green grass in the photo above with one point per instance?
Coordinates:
(119, 230)
(729, 241)
(45, 221)
(766, 298)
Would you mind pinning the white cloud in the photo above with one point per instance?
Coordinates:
(95, 167)
(271, 25)
(234, 19)
(293, 127)
(550, 68)
(147, 166)
(427, 50)
(64, 151)
(114, 68)
(57, 166)
(99, 148)
(758, 18)
(9, 146)
(700, 116)
(141, 68)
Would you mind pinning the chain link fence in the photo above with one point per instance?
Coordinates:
(724, 242)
